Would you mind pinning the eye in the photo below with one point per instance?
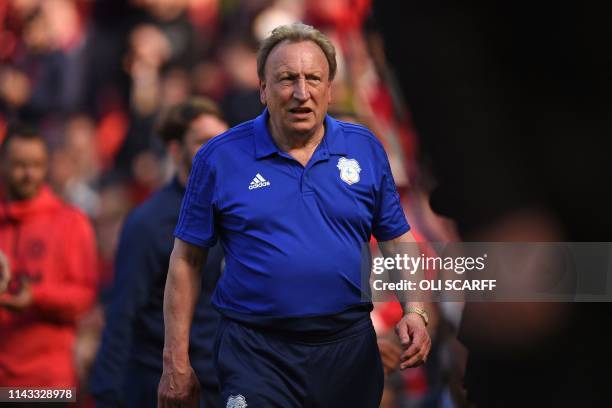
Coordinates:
(286, 78)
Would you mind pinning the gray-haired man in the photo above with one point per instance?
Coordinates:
(292, 195)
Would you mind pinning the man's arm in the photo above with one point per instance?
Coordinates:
(411, 329)
(179, 383)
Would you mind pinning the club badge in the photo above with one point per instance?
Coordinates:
(349, 170)
(236, 401)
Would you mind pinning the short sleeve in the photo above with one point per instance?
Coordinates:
(196, 224)
(389, 219)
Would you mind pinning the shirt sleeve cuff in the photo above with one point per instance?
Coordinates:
(190, 239)
(382, 236)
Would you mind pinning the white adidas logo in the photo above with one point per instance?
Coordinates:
(258, 181)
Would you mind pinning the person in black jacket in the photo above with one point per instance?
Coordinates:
(129, 363)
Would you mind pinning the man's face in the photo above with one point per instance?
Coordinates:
(296, 87)
(201, 130)
(24, 167)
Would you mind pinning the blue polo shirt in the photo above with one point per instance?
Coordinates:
(292, 235)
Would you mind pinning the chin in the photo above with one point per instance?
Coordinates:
(26, 192)
(302, 131)
(302, 128)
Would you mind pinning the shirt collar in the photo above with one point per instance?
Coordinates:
(264, 145)
(334, 139)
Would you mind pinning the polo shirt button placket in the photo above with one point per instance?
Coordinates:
(305, 185)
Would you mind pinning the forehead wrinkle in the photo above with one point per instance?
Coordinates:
(306, 61)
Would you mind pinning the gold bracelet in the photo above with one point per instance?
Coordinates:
(420, 312)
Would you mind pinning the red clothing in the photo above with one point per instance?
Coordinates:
(52, 245)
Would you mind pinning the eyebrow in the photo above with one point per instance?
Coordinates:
(295, 74)
(286, 73)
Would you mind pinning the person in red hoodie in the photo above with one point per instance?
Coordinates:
(50, 249)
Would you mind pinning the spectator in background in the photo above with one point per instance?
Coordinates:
(241, 101)
(50, 247)
(5, 273)
(74, 167)
(114, 206)
(52, 55)
(129, 363)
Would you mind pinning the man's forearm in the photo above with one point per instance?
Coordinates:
(410, 329)
(404, 245)
(180, 296)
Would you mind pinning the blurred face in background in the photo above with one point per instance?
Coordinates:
(201, 130)
(240, 63)
(162, 9)
(296, 88)
(24, 167)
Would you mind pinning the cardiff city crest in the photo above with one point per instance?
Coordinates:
(237, 401)
(349, 170)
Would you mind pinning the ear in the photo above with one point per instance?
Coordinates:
(262, 91)
(329, 94)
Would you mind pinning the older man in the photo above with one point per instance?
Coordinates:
(292, 195)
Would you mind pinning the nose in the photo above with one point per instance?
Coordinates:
(300, 91)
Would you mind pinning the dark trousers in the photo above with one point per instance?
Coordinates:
(263, 368)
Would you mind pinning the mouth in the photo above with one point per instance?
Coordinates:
(300, 111)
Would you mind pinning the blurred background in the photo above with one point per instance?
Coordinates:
(512, 106)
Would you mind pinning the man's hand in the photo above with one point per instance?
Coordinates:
(390, 354)
(178, 388)
(414, 340)
(20, 300)
(5, 273)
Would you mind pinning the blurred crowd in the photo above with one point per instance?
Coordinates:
(93, 76)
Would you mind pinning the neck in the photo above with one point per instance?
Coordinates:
(7, 194)
(12, 197)
(292, 141)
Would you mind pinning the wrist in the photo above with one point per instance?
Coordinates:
(408, 305)
(176, 358)
(417, 310)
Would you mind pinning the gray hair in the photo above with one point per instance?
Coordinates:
(296, 32)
